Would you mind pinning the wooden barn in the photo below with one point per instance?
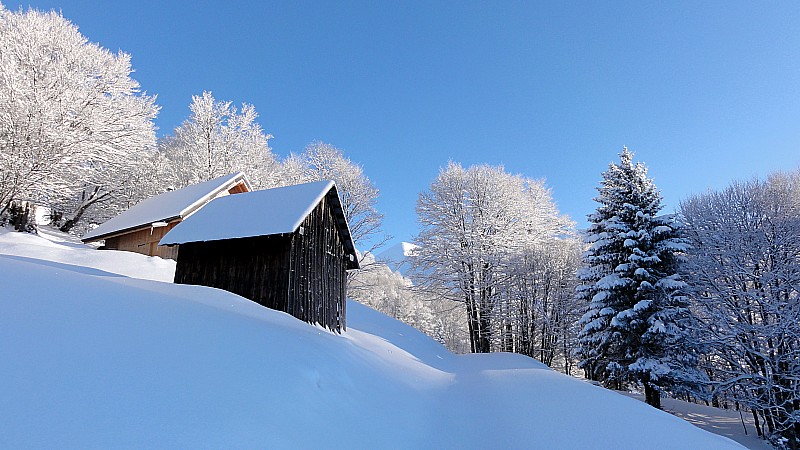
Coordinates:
(287, 248)
(141, 227)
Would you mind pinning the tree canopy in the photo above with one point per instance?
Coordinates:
(71, 117)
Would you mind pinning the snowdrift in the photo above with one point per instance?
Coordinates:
(92, 358)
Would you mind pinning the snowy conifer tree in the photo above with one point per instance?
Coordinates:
(634, 329)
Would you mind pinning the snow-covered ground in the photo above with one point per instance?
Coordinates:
(92, 357)
(719, 421)
(63, 248)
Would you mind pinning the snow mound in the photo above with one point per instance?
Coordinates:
(59, 247)
(94, 359)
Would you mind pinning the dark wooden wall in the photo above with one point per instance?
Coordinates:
(303, 274)
(255, 268)
(318, 271)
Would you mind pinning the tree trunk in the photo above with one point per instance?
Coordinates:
(86, 202)
(767, 415)
(22, 217)
(652, 395)
(473, 322)
(508, 338)
(484, 344)
(758, 425)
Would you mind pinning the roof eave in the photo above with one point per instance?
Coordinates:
(116, 233)
(344, 228)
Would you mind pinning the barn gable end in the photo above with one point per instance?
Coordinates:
(287, 248)
(318, 276)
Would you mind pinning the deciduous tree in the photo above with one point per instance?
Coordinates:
(71, 117)
(218, 139)
(478, 226)
(745, 266)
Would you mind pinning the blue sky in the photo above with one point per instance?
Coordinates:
(702, 92)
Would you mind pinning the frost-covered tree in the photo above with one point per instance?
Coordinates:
(321, 161)
(637, 323)
(392, 294)
(745, 266)
(543, 310)
(462, 218)
(475, 224)
(72, 120)
(218, 139)
(91, 206)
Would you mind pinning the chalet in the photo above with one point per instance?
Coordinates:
(287, 248)
(141, 227)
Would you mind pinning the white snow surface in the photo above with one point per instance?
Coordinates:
(720, 421)
(259, 213)
(56, 247)
(94, 359)
(169, 205)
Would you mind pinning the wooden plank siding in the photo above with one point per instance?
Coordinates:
(238, 188)
(303, 274)
(144, 241)
(318, 271)
(250, 267)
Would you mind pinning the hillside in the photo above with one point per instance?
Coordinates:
(93, 357)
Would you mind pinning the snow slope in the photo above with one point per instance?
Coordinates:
(94, 359)
(60, 247)
(716, 420)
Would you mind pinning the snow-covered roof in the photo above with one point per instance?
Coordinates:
(259, 213)
(165, 207)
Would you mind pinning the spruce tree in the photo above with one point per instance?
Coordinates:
(636, 325)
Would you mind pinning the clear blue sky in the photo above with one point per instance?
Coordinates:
(703, 92)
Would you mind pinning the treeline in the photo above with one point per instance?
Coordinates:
(703, 303)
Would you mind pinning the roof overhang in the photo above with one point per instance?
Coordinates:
(187, 210)
(128, 230)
